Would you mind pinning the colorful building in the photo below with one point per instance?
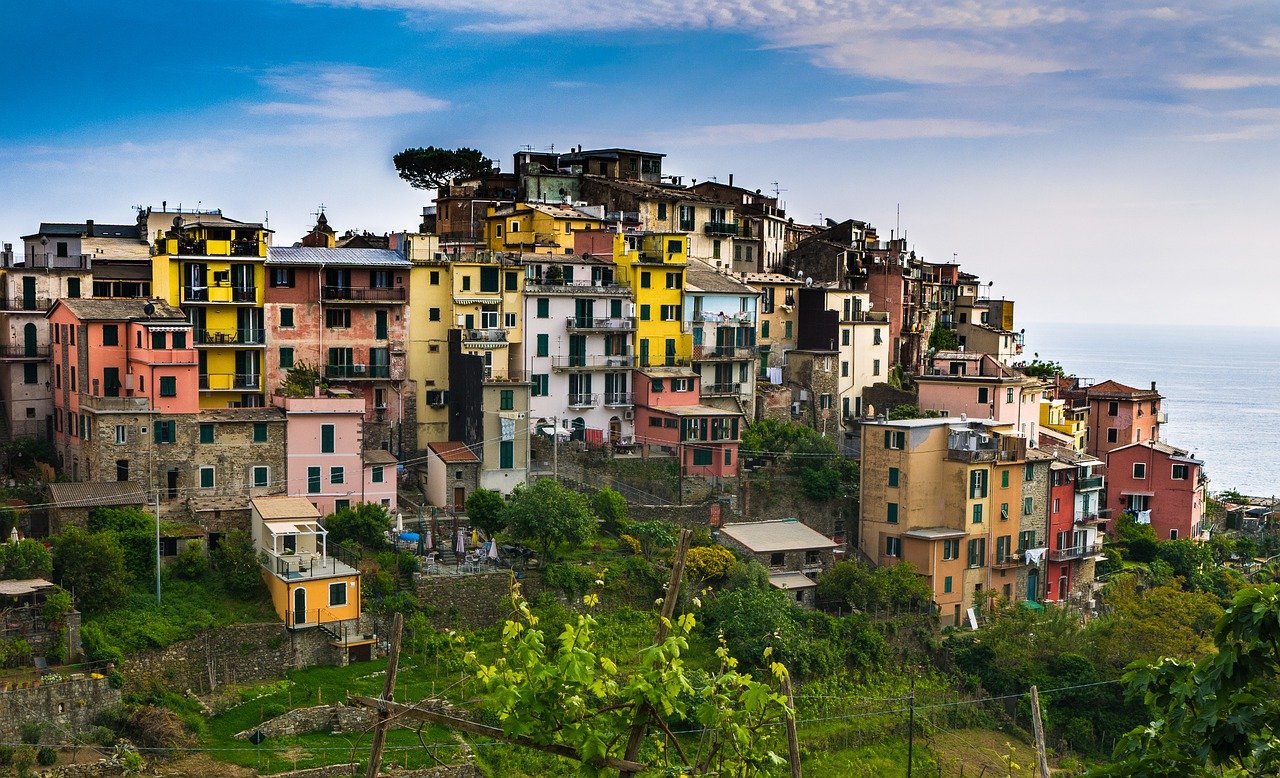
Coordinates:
(538, 228)
(212, 267)
(671, 418)
(776, 334)
(1120, 415)
(1159, 484)
(1075, 513)
(979, 386)
(719, 313)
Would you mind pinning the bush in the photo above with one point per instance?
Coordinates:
(273, 709)
(573, 580)
(46, 757)
(31, 731)
(379, 584)
(6, 756)
(190, 564)
(236, 562)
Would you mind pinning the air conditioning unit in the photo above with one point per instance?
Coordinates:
(628, 415)
(796, 408)
(358, 369)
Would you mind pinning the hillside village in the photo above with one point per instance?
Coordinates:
(313, 432)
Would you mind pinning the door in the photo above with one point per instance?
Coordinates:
(380, 325)
(644, 352)
(172, 484)
(1033, 585)
(584, 312)
(110, 382)
(577, 350)
(459, 498)
(615, 430)
(28, 293)
(299, 606)
(29, 340)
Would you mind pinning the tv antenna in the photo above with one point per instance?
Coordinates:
(777, 190)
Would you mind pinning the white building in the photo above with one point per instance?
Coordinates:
(720, 315)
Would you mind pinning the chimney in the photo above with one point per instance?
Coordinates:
(88, 227)
(730, 179)
(1153, 386)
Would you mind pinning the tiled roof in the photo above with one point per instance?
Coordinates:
(791, 581)
(380, 456)
(772, 278)
(241, 414)
(763, 537)
(307, 255)
(453, 452)
(692, 410)
(653, 191)
(19, 587)
(275, 508)
(77, 229)
(90, 494)
(1115, 388)
(701, 277)
(110, 309)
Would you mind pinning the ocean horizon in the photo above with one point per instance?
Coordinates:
(1221, 386)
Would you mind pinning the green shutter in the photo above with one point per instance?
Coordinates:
(313, 480)
(206, 433)
(259, 432)
(326, 439)
(507, 454)
(206, 478)
(893, 476)
(376, 474)
(543, 344)
(544, 308)
(1004, 479)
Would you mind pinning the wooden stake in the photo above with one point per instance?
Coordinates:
(1042, 758)
(638, 726)
(388, 692)
(793, 739)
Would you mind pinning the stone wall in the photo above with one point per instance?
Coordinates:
(235, 654)
(882, 398)
(335, 719)
(354, 768)
(471, 601)
(67, 708)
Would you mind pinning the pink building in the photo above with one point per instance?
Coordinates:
(981, 387)
(669, 417)
(327, 463)
(1120, 415)
(1160, 484)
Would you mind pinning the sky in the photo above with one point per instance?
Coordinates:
(1098, 160)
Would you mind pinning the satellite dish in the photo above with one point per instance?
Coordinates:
(149, 309)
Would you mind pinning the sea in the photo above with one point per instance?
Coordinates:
(1221, 387)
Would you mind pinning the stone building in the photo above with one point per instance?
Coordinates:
(789, 549)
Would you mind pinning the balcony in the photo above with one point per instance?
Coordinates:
(583, 400)
(723, 353)
(363, 294)
(166, 356)
(49, 260)
(720, 228)
(615, 289)
(245, 337)
(659, 258)
(23, 352)
(114, 404)
(1007, 562)
(297, 567)
(593, 362)
(231, 382)
(357, 372)
(484, 338)
(584, 324)
(219, 294)
(1089, 484)
(722, 390)
(187, 247)
(1095, 516)
(508, 377)
(618, 399)
(25, 304)
(1075, 552)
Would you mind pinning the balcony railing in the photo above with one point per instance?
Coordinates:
(1094, 516)
(364, 294)
(721, 390)
(485, 336)
(577, 289)
(104, 404)
(246, 337)
(167, 356)
(1089, 484)
(50, 259)
(25, 304)
(618, 399)
(224, 382)
(219, 294)
(710, 353)
(237, 248)
(593, 361)
(719, 228)
(508, 377)
(1007, 561)
(623, 324)
(353, 372)
(23, 352)
(583, 400)
(1075, 552)
(658, 258)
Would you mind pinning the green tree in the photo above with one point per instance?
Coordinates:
(943, 339)
(486, 509)
(1217, 715)
(709, 563)
(1037, 368)
(301, 380)
(28, 558)
(1144, 624)
(1188, 560)
(431, 167)
(1138, 540)
(549, 515)
(366, 524)
(91, 565)
(191, 564)
(653, 535)
(611, 508)
(910, 411)
(888, 587)
(236, 561)
(122, 520)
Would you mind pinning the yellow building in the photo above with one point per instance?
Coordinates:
(212, 267)
(1065, 425)
(540, 228)
(430, 317)
(777, 316)
(653, 265)
(310, 586)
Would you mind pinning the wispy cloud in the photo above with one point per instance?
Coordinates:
(340, 92)
(847, 130)
(1226, 81)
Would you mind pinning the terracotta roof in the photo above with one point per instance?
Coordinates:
(380, 456)
(283, 507)
(110, 309)
(90, 494)
(453, 452)
(1116, 389)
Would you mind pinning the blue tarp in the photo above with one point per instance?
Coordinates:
(410, 537)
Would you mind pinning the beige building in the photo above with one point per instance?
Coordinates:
(794, 553)
(776, 312)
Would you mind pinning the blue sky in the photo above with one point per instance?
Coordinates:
(1101, 160)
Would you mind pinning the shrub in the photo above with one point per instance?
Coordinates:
(236, 562)
(6, 756)
(272, 710)
(46, 757)
(710, 563)
(630, 543)
(31, 731)
(191, 563)
(571, 579)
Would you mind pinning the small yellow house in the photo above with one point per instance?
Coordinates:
(310, 586)
(540, 228)
(653, 265)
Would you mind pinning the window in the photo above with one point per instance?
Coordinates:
(337, 594)
(165, 431)
(326, 438)
(206, 477)
(1008, 395)
(1113, 435)
(893, 476)
(313, 480)
(686, 218)
(1004, 511)
(73, 287)
(1113, 408)
(715, 249)
(951, 549)
(544, 308)
(892, 513)
(1002, 549)
(984, 395)
(1179, 472)
(896, 440)
(670, 312)
(977, 484)
(507, 400)
(655, 385)
(261, 476)
(644, 279)
(511, 282)
(764, 329)
(541, 383)
(376, 474)
(341, 505)
(488, 279)
(876, 339)
(544, 347)
(673, 280)
(259, 432)
(1026, 540)
(893, 546)
(1057, 504)
(844, 369)
(286, 317)
(875, 367)
(435, 277)
(282, 276)
(206, 433)
(1004, 479)
(786, 329)
(110, 335)
(31, 373)
(977, 513)
(946, 585)
(1173, 534)
(644, 313)
(168, 386)
(977, 552)
(1028, 505)
(337, 475)
(1028, 472)
(1139, 470)
(122, 434)
(506, 454)
(433, 314)
(337, 318)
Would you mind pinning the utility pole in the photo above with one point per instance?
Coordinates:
(388, 692)
(555, 447)
(793, 739)
(1042, 759)
(911, 724)
(155, 495)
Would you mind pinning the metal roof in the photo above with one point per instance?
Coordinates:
(17, 588)
(119, 309)
(791, 581)
(78, 229)
(91, 494)
(274, 508)
(783, 535)
(307, 255)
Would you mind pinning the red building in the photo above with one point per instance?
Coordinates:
(1120, 415)
(1075, 513)
(1160, 484)
(669, 417)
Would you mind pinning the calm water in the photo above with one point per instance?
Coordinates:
(1221, 388)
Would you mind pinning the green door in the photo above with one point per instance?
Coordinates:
(29, 340)
(28, 293)
(380, 325)
(1033, 585)
(644, 352)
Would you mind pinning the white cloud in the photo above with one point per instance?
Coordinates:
(341, 92)
(1225, 81)
(847, 130)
